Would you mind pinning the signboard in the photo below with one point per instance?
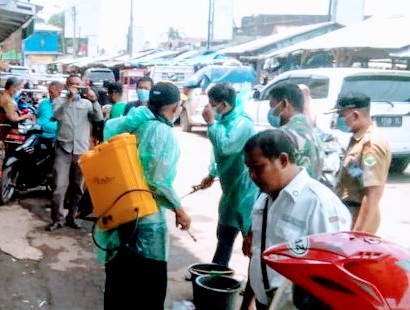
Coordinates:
(348, 11)
(223, 20)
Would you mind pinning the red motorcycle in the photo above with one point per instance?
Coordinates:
(346, 270)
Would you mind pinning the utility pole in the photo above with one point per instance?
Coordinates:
(210, 24)
(330, 12)
(74, 14)
(130, 38)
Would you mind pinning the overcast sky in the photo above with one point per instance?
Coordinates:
(241, 7)
(189, 16)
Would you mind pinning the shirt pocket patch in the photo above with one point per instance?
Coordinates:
(289, 227)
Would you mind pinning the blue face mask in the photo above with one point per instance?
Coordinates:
(273, 119)
(16, 96)
(341, 124)
(143, 94)
(218, 116)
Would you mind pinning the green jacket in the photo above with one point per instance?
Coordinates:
(228, 137)
(159, 153)
(117, 109)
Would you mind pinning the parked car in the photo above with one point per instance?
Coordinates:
(97, 79)
(129, 77)
(177, 73)
(21, 70)
(389, 91)
(241, 77)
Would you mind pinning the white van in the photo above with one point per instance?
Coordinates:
(389, 91)
(20, 70)
(197, 86)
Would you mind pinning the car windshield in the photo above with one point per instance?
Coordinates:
(102, 75)
(19, 70)
(380, 88)
(318, 85)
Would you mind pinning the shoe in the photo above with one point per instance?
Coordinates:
(72, 224)
(54, 226)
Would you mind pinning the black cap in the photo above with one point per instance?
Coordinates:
(114, 87)
(164, 93)
(350, 100)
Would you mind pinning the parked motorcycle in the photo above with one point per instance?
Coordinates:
(345, 270)
(28, 161)
(26, 103)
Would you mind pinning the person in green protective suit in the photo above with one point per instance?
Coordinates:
(136, 265)
(228, 129)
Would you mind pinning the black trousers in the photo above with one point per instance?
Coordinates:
(131, 279)
(226, 238)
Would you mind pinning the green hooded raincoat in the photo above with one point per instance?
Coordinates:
(159, 153)
(228, 137)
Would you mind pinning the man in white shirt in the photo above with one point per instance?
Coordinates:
(291, 205)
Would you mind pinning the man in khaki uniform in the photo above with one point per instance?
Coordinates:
(365, 164)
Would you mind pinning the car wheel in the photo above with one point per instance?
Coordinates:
(398, 165)
(8, 184)
(184, 121)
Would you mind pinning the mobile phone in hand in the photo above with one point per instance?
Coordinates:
(82, 91)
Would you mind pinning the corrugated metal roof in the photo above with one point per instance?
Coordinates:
(272, 39)
(13, 15)
(376, 33)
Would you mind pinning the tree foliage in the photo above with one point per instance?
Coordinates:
(57, 20)
(173, 34)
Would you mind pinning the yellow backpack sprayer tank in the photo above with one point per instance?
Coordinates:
(114, 177)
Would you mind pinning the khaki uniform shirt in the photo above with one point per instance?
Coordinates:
(366, 163)
(8, 110)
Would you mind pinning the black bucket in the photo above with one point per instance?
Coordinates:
(216, 292)
(209, 269)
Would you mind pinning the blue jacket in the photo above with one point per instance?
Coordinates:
(45, 118)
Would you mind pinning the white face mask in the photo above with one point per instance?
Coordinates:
(177, 114)
(236, 86)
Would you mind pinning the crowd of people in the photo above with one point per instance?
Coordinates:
(271, 191)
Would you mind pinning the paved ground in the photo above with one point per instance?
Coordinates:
(58, 270)
(42, 270)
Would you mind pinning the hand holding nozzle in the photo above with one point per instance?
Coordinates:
(205, 183)
(192, 236)
(184, 221)
(195, 188)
